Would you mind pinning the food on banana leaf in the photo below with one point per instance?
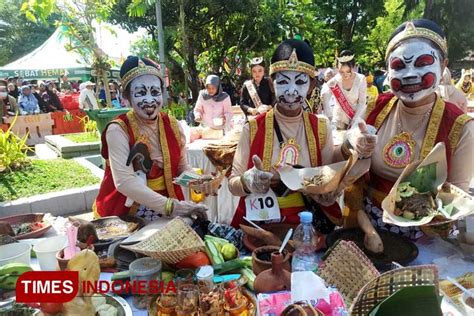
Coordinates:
(416, 206)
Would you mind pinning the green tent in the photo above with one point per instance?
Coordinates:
(49, 61)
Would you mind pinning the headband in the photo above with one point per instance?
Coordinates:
(292, 64)
(411, 31)
(141, 69)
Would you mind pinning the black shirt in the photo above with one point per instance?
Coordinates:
(41, 103)
(264, 91)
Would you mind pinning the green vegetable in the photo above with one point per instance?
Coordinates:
(231, 265)
(422, 179)
(448, 209)
(408, 215)
(213, 253)
(249, 275)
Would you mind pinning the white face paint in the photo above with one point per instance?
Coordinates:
(145, 96)
(291, 88)
(414, 70)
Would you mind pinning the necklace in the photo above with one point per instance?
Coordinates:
(289, 149)
(400, 150)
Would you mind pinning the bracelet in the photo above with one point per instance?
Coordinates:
(169, 207)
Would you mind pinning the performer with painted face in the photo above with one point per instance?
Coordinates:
(287, 134)
(413, 118)
(257, 94)
(122, 192)
(349, 89)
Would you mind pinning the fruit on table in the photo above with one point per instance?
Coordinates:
(229, 252)
(9, 274)
(51, 308)
(194, 261)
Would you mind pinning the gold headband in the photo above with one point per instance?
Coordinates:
(411, 31)
(345, 59)
(292, 64)
(141, 69)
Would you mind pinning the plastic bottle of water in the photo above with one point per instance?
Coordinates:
(305, 239)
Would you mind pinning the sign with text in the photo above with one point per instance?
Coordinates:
(262, 207)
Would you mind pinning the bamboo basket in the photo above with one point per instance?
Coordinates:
(348, 269)
(390, 282)
(173, 243)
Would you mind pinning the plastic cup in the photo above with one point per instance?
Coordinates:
(144, 269)
(15, 252)
(46, 251)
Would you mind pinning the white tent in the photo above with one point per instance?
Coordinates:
(52, 58)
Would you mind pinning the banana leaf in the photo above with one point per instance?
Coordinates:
(410, 301)
(423, 178)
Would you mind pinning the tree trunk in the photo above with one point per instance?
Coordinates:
(428, 12)
(192, 71)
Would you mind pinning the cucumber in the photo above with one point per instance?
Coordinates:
(249, 275)
(230, 265)
(214, 255)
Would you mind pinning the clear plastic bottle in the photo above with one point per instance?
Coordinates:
(305, 239)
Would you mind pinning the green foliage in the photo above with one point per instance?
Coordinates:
(89, 126)
(43, 176)
(19, 35)
(456, 18)
(176, 110)
(13, 150)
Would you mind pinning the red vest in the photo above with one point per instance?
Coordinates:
(451, 122)
(110, 201)
(257, 147)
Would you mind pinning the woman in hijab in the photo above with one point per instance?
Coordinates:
(27, 102)
(213, 107)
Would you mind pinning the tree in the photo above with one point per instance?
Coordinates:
(377, 40)
(456, 17)
(77, 18)
(18, 35)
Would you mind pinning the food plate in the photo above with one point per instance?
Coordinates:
(113, 227)
(396, 248)
(28, 218)
(123, 308)
(467, 280)
(252, 304)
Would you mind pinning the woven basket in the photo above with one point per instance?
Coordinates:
(174, 242)
(209, 186)
(348, 269)
(390, 282)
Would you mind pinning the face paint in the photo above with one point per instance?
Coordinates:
(291, 88)
(145, 96)
(414, 70)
